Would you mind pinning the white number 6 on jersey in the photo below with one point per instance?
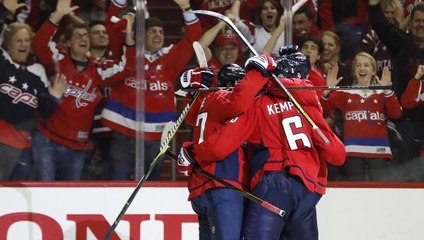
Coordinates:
(296, 122)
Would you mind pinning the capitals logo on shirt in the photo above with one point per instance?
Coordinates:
(154, 79)
(147, 85)
(364, 116)
(81, 94)
(19, 92)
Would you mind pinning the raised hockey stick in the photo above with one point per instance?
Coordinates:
(285, 90)
(247, 195)
(164, 144)
(200, 54)
(298, 88)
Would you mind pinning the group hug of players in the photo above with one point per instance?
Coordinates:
(255, 138)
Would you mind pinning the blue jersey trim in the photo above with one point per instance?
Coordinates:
(130, 113)
(229, 167)
(366, 141)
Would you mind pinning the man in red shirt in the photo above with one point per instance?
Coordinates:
(162, 66)
(62, 140)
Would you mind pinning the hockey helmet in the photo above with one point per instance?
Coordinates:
(295, 65)
(288, 49)
(230, 73)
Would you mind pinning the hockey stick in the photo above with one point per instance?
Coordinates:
(247, 195)
(285, 90)
(335, 88)
(164, 144)
(166, 129)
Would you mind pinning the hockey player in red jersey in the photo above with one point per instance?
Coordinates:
(220, 210)
(287, 163)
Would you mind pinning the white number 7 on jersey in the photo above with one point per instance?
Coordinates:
(201, 120)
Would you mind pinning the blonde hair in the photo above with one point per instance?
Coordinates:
(373, 64)
(397, 7)
(12, 29)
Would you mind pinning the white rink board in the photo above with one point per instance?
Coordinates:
(165, 214)
(371, 214)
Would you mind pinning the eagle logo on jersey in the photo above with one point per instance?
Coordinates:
(81, 94)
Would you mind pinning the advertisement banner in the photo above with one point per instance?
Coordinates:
(86, 212)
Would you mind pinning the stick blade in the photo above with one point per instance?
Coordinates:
(166, 129)
(200, 54)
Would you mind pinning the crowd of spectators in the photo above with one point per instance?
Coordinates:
(68, 89)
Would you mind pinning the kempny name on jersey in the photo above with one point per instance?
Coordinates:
(147, 85)
(365, 115)
(19, 96)
(277, 108)
(81, 94)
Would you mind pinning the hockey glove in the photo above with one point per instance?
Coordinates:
(263, 62)
(197, 78)
(185, 161)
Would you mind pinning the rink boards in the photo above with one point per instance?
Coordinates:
(160, 211)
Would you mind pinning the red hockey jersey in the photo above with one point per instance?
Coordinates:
(282, 136)
(70, 124)
(364, 120)
(413, 95)
(207, 115)
(161, 70)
